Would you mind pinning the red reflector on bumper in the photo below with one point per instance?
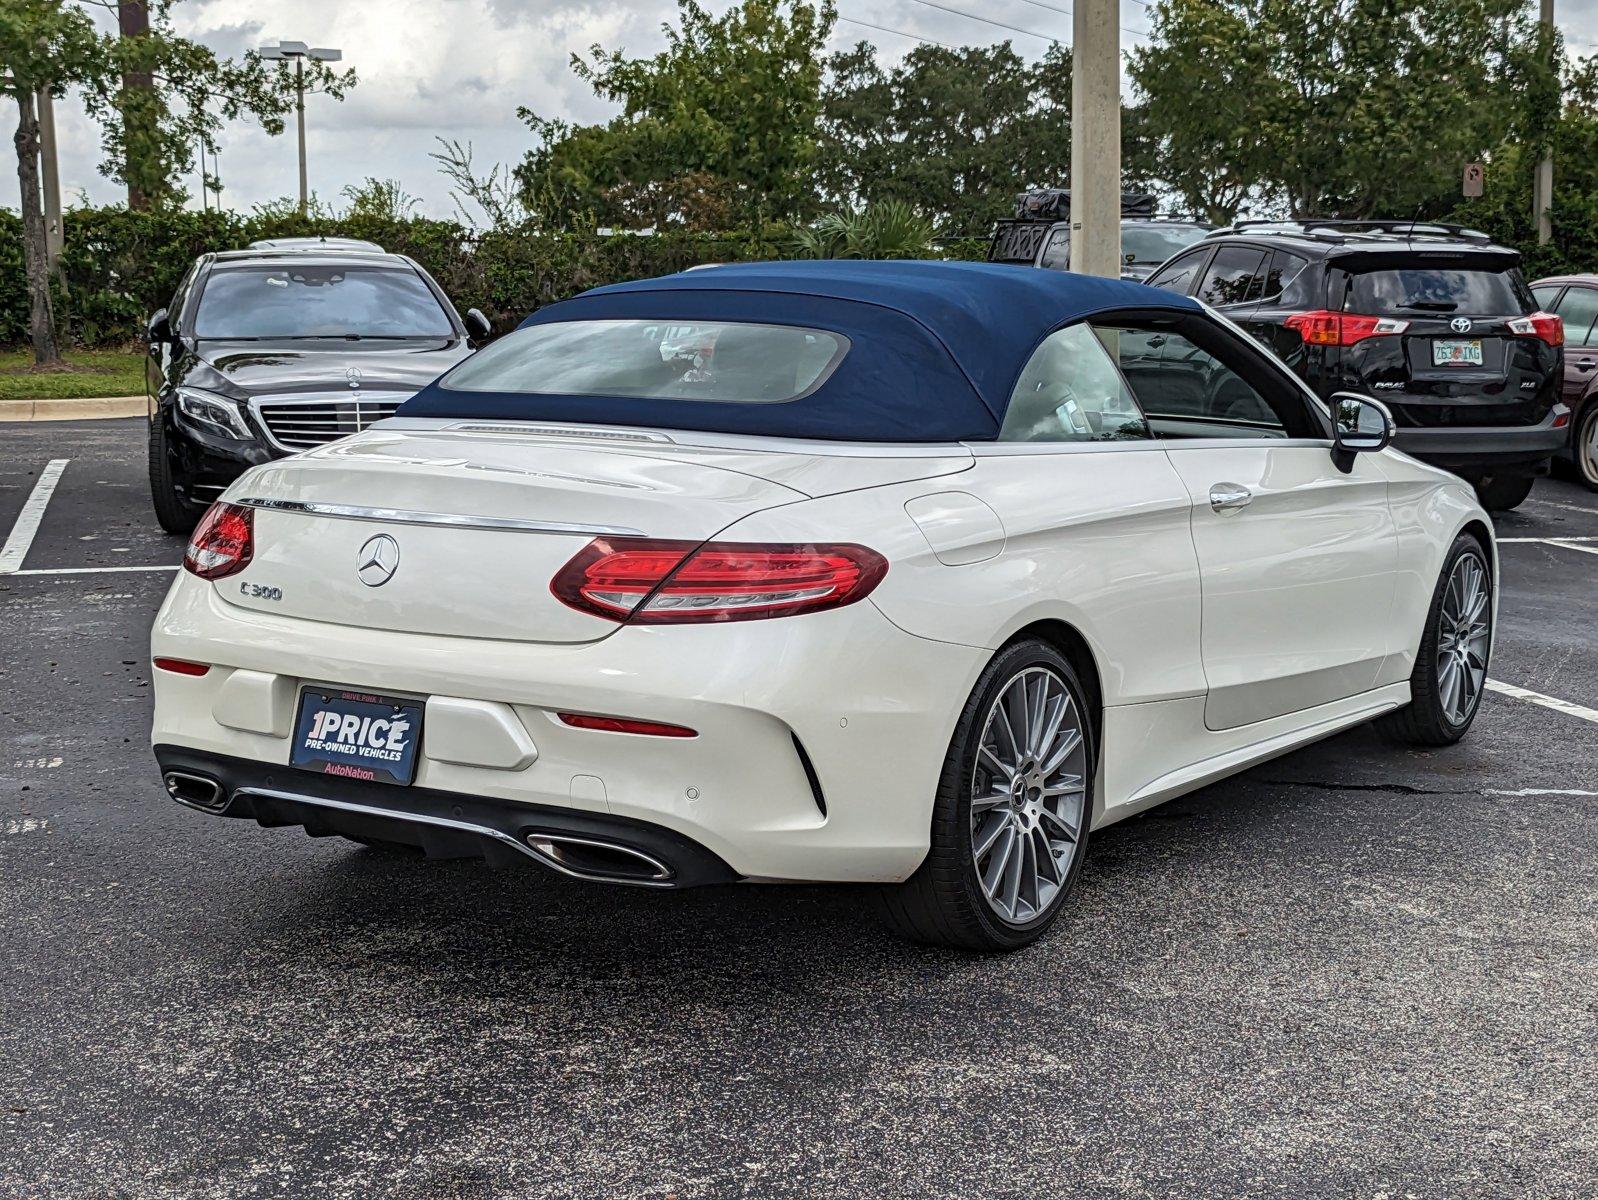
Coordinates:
(179, 667)
(626, 725)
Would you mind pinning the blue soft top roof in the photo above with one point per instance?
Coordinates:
(935, 347)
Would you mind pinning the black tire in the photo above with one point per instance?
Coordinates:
(173, 512)
(1423, 721)
(1584, 450)
(942, 904)
(1500, 493)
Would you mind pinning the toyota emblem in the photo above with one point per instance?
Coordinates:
(379, 560)
(1460, 324)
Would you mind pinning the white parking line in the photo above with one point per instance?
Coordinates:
(1566, 507)
(1553, 702)
(85, 570)
(16, 547)
(1538, 792)
(1555, 540)
(1570, 544)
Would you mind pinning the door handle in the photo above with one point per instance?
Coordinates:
(1229, 497)
(1586, 364)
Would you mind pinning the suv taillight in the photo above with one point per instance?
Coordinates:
(223, 542)
(649, 581)
(1544, 326)
(1323, 327)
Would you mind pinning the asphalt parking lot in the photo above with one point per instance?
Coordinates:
(1352, 972)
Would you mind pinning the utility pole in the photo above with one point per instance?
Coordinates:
(1096, 138)
(50, 173)
(299, 118)
(1542, 192)
(299, 52)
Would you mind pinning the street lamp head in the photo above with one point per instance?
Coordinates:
(286, 50)
(324, 54)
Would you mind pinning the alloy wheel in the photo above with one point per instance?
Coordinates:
(1028, 795)
(1586, 448)
(1462, 637)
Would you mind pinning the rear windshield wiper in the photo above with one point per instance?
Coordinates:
(1430, 306)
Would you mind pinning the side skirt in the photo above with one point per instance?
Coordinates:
(1178, 726)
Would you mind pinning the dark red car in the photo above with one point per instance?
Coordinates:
(1575, 298)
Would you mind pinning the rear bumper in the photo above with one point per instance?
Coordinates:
(1487, 447)
(442, 824)
(866, 707)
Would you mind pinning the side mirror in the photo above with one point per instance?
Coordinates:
(477, 325)
(1360, 425)
(159, 328)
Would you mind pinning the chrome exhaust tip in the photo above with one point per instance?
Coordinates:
(195, 791)
(604, 862)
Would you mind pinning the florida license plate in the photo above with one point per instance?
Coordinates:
(1465, 353)
(357, 735)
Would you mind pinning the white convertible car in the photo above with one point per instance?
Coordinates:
(901, 573)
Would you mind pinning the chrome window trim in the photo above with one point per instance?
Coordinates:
(401, 516)
(1141, 445)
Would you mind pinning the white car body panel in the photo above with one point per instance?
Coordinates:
(1217, 640)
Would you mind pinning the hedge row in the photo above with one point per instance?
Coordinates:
(120, 266)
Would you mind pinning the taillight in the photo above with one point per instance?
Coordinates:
(1322, 327)
(1544, 326)
(647, 581)
(223, 542)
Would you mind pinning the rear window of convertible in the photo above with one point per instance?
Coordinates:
(726, 361)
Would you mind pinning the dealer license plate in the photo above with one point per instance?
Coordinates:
(357, 735)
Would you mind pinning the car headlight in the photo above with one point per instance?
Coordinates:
(214, 412)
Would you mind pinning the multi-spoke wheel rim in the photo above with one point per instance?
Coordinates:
(1028, 794)
(1587, 446)
(1462, 637)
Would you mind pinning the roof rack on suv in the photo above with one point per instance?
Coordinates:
(1343, 229)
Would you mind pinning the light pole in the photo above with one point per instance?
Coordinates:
(1542, 191)
(299, 52)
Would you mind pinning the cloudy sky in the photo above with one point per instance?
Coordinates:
(460, 68)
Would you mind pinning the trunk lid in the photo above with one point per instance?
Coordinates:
(478, 524)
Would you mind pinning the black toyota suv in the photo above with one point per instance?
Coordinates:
(1433, 320)
(265, 352)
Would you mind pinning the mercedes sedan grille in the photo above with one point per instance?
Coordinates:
(302, 424)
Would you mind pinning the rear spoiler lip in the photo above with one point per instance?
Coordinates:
(1496, 257)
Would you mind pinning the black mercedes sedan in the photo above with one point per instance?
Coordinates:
(265, 352)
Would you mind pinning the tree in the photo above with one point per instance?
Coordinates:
(494, 193)
(958, 132)
(1345, 107)
(43, 46)
(158, 95)
(153, 94)
(887, 229)
(729, 106)
(380, 200)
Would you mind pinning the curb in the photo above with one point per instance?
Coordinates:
(97, 409)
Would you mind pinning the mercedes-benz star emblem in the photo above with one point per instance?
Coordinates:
(379, 560)
(354, 376)
(1460, 324)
